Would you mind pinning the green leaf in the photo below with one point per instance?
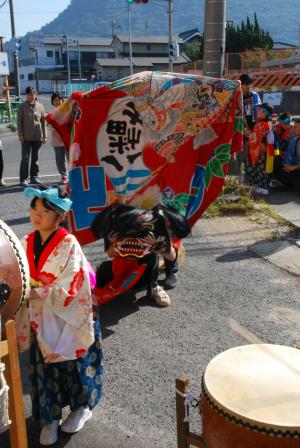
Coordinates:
(208, 175)
(217, 168)
(223, 149)
(239, 124)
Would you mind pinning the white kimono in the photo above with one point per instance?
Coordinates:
(62, 317)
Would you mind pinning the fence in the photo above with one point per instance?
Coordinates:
(4, 112)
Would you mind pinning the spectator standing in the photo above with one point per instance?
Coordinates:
(32, 132)
(251, 101)
(61, 155)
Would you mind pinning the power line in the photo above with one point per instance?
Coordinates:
(2, 4)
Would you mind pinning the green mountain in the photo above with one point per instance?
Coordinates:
(94, 17)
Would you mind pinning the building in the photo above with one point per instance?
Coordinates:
(46, 64)
(109, 70)
(142, 46)
(194, 35)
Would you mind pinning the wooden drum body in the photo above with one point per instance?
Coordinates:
(251, 398)
(14, 273)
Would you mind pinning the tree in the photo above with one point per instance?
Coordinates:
(194, 50)
(248, 36)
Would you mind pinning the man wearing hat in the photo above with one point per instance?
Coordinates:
(32, 132)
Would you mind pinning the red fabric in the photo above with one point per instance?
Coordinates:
(126, 273)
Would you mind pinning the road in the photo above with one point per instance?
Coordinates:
(147, 347)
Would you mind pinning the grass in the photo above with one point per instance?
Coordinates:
(244, 204)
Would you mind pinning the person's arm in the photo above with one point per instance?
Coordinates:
(289, 168)
(20, 123)
(44, 126)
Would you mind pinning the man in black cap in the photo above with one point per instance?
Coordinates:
(251, 101)
(32, 132)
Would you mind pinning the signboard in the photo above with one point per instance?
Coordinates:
(35, 40)
(273, 98)
(4, 67)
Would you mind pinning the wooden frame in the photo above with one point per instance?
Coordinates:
(9, 355)
(185, 438)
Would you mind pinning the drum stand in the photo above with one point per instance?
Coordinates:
(185, 438)
(9, 353)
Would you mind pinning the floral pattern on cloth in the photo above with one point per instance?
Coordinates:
(62, 317)
(146, 138)
(70, 383)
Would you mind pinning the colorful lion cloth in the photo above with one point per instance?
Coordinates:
(130, 265)
(148, 139)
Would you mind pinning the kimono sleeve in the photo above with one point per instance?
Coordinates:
(67, 291)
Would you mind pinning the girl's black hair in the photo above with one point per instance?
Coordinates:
(55, 95)
(48, 205)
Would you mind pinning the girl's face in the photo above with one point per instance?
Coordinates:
(261, 115)
(57, 101)
(42, 219)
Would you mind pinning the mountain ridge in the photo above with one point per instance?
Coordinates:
(96, 18)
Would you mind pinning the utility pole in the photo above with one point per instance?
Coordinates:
(68, 60)
(214, 38)
(79, 58)
(16, 59)
(113, 24)
(36, 69)
(130, 38)
(170, 22)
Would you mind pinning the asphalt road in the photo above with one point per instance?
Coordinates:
(147, 347)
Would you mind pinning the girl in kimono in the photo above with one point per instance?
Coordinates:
(64, 336)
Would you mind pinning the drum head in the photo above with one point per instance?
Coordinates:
(257, 383)
(14, 273)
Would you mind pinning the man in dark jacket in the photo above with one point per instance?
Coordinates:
(32, 134)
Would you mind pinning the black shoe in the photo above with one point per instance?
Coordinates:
(24, 183)
(36, 181)
(170, 281)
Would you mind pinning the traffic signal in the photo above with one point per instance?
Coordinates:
(137, 1)
(174, 50)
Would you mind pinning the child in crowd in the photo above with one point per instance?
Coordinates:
(261, 151)
(59, 326)
(61, 155)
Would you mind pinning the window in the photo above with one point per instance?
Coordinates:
(30, 76)
(149, 47)
(49, 54)
(22, 77)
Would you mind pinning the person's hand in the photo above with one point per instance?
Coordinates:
(44, 140)
(150, 241)
(289, 168)
(21, 138)
(246, 132)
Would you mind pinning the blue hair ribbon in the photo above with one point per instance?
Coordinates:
(51, 195)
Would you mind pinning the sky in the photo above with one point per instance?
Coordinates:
(30, 15)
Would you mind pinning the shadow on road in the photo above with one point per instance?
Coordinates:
(236, 255)
(11, 189)
(33, 433)
(119, 308)
(17, 221)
